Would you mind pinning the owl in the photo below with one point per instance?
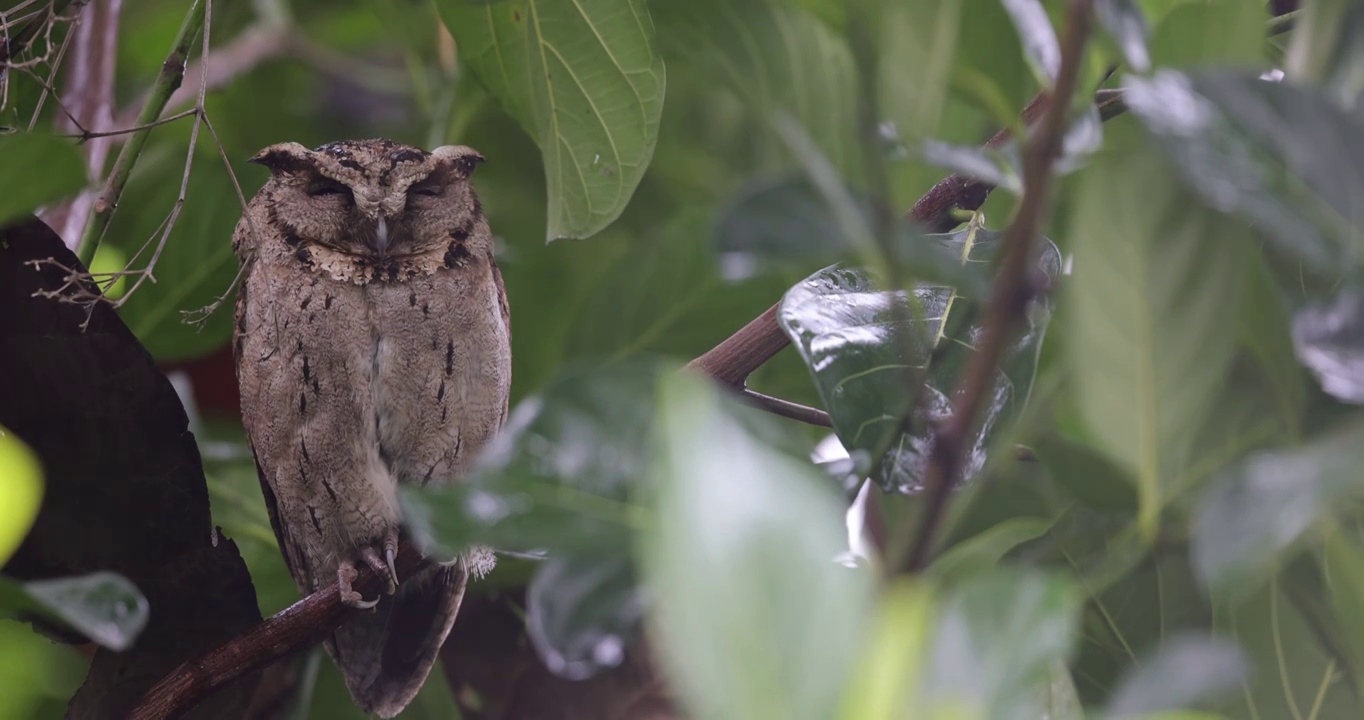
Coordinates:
(372, 344)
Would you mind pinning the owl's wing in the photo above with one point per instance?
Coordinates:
(292, 559)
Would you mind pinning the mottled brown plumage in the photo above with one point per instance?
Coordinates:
(373, 348)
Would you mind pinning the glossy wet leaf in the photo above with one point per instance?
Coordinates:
(754, 616)
(842, 323)
(1329, 339)
(585, 80)
(1281, 155)
(561, 474)
(1259, 509)
(582, 611)
(1184, 671)
(21, 492)
(999, 638)
(102, 606)
(22, 190)
(1124, 21)
(1153, 316)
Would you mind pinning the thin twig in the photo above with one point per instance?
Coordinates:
(788, 409)
(1013, 291)
(172, 73)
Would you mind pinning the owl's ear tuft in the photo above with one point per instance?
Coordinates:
(459, 158)
(287, 157)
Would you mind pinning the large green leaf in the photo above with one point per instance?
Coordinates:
(1260, 509)
(843, 325)
(1152, 311)
(21, 493)
(1282, 155)
(36, 170)
(1218, 33)
(775, 56)
(585, 80)
(754, 616)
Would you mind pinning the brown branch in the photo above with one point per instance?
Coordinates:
(1013, 291)
(297, 627)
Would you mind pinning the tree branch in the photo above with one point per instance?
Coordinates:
(172, 73)
(1013, 290)
(297, 627)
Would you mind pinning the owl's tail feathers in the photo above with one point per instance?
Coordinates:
(385, 655)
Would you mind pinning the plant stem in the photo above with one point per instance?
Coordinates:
(172, 73)
(1009, 300)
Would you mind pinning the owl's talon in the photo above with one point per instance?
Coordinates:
(377, 564)
(345, 576)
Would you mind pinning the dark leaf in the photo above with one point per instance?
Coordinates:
(125, 486)
(843, 325)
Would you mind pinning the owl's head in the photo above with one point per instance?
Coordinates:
(373, 197)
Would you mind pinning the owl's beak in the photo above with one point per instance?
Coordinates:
(381, 236)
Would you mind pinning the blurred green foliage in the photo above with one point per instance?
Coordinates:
(1164, 521)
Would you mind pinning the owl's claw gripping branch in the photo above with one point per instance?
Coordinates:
(345, 577)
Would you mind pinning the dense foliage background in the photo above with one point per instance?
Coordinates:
(1156, 512)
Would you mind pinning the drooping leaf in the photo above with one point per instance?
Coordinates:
(1280, 154)
(21, 493)
(1124, 21)
(999, 637)
(1259, 509)
(582, 611)
(754, 617)
(35, 170)
(843, 326)
(585, 80)
(102, 606)
(1184, 671)
(1152, 308)
(1329, 339)
(1034, 28)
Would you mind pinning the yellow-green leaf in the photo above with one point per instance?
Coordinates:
(21, 492)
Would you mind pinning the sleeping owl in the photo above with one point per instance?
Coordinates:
(372, 344)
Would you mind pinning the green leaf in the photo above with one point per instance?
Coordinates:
(1259, 509)
(998, 639)
(843, 326)
(21, 493)
(754, 617)
(774, 56)
(581, 612)
(196, 265)
(559, 477)
(585, 80)
(918, 46)
(999, 167)
(22, 190)
(1343, 560)
(1124, 21)
(102, 606)
(1279, 154)
(886, 685)
(1153, 317)
(1040, 46)
(1325, 50)
(984, 551)
(1218, 33)
(1184, 671)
